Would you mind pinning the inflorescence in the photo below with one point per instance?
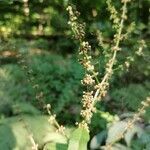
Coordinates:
(95, 90)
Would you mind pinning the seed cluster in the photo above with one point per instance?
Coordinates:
(114, 14)
(87, 101)
(77, 28)
(88, 80)
(85, 59)
(95, 90)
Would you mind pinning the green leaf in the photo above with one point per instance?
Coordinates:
(14, 128)
(55, 146)
(7, 139)
(131, 132)
(115, 130)
(98, 139)
(79, 139)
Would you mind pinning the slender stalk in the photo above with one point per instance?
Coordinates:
(106, 77)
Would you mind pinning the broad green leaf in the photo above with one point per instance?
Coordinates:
(145, 138)
(98, 139)
(55, 146)
(7, 139)
(14, 128)
(131, 132)
(115, 130)
(79, 139)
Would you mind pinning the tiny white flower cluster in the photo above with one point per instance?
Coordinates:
(61, 129)
(84, 48)
(88, 80)
(139, 52)
(102, 87)
(52, 119)
(88, 107)
(71, 13)
(83, 124)
(87, 64)
(77, 28)
(114, 14)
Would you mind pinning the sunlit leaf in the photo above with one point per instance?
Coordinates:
(79, 139)
(19, 128)
(115, 131)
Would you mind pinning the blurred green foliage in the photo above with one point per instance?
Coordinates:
(59, 84)
(46, 21)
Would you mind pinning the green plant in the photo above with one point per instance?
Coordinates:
(96, 87)
(97, 90)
